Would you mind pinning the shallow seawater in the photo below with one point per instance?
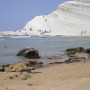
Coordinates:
(47, 46)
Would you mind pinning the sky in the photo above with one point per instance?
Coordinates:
(14, 14)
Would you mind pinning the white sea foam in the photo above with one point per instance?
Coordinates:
(20, 37)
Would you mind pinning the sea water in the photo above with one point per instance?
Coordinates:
(47, 46)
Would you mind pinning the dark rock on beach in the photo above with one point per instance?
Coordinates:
(72, 51)
(29, 52)
(18, 67)
(56, 63)
(75, 59)
(33, 63)
(87, 51)
(77, 49)
(1, 68)
(25, 66)
(71, 59)
(51, 57)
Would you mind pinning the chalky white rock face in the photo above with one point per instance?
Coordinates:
(71, 18)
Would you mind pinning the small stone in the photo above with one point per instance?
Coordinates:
(29, 84)
(10, 77)
(1, 69)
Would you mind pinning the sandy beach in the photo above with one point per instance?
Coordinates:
(45, 45)
(72, 76)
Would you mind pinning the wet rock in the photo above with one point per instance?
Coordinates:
(18, 67)
(34, 63)
(75, 59)
(87, 51)
(77, 49)
(25, 66)
(72, 51)
(51, 57)
(29, 52)
(56, 63)
(69, 53)
(1, 68)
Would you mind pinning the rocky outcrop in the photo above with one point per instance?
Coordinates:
(29, 52)
(87, 51)
(75, 59)
(72, 59)
(76, 49)
(72, 51)
(18, 67)
(25, 66)
(35, 64)
(1, 68)
(51, 57)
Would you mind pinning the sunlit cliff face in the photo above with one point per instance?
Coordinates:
(87, 1)
(71, 18)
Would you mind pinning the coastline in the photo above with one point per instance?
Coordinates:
(72, 76)
(51, 52)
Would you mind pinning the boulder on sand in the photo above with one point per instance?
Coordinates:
(34, 63)
(29, 52)
(51, 57)
(18, 67)
(77, 49)
(87, 51)
(25, 66)
(73, 59)
(72, 51)
(1, 68)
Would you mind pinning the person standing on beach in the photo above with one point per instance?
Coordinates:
(81, 33)
(84, 32)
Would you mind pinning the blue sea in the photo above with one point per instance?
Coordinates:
(47, 46)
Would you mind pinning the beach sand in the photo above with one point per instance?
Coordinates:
(72, 76)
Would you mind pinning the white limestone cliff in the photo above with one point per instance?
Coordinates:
(71, 18)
